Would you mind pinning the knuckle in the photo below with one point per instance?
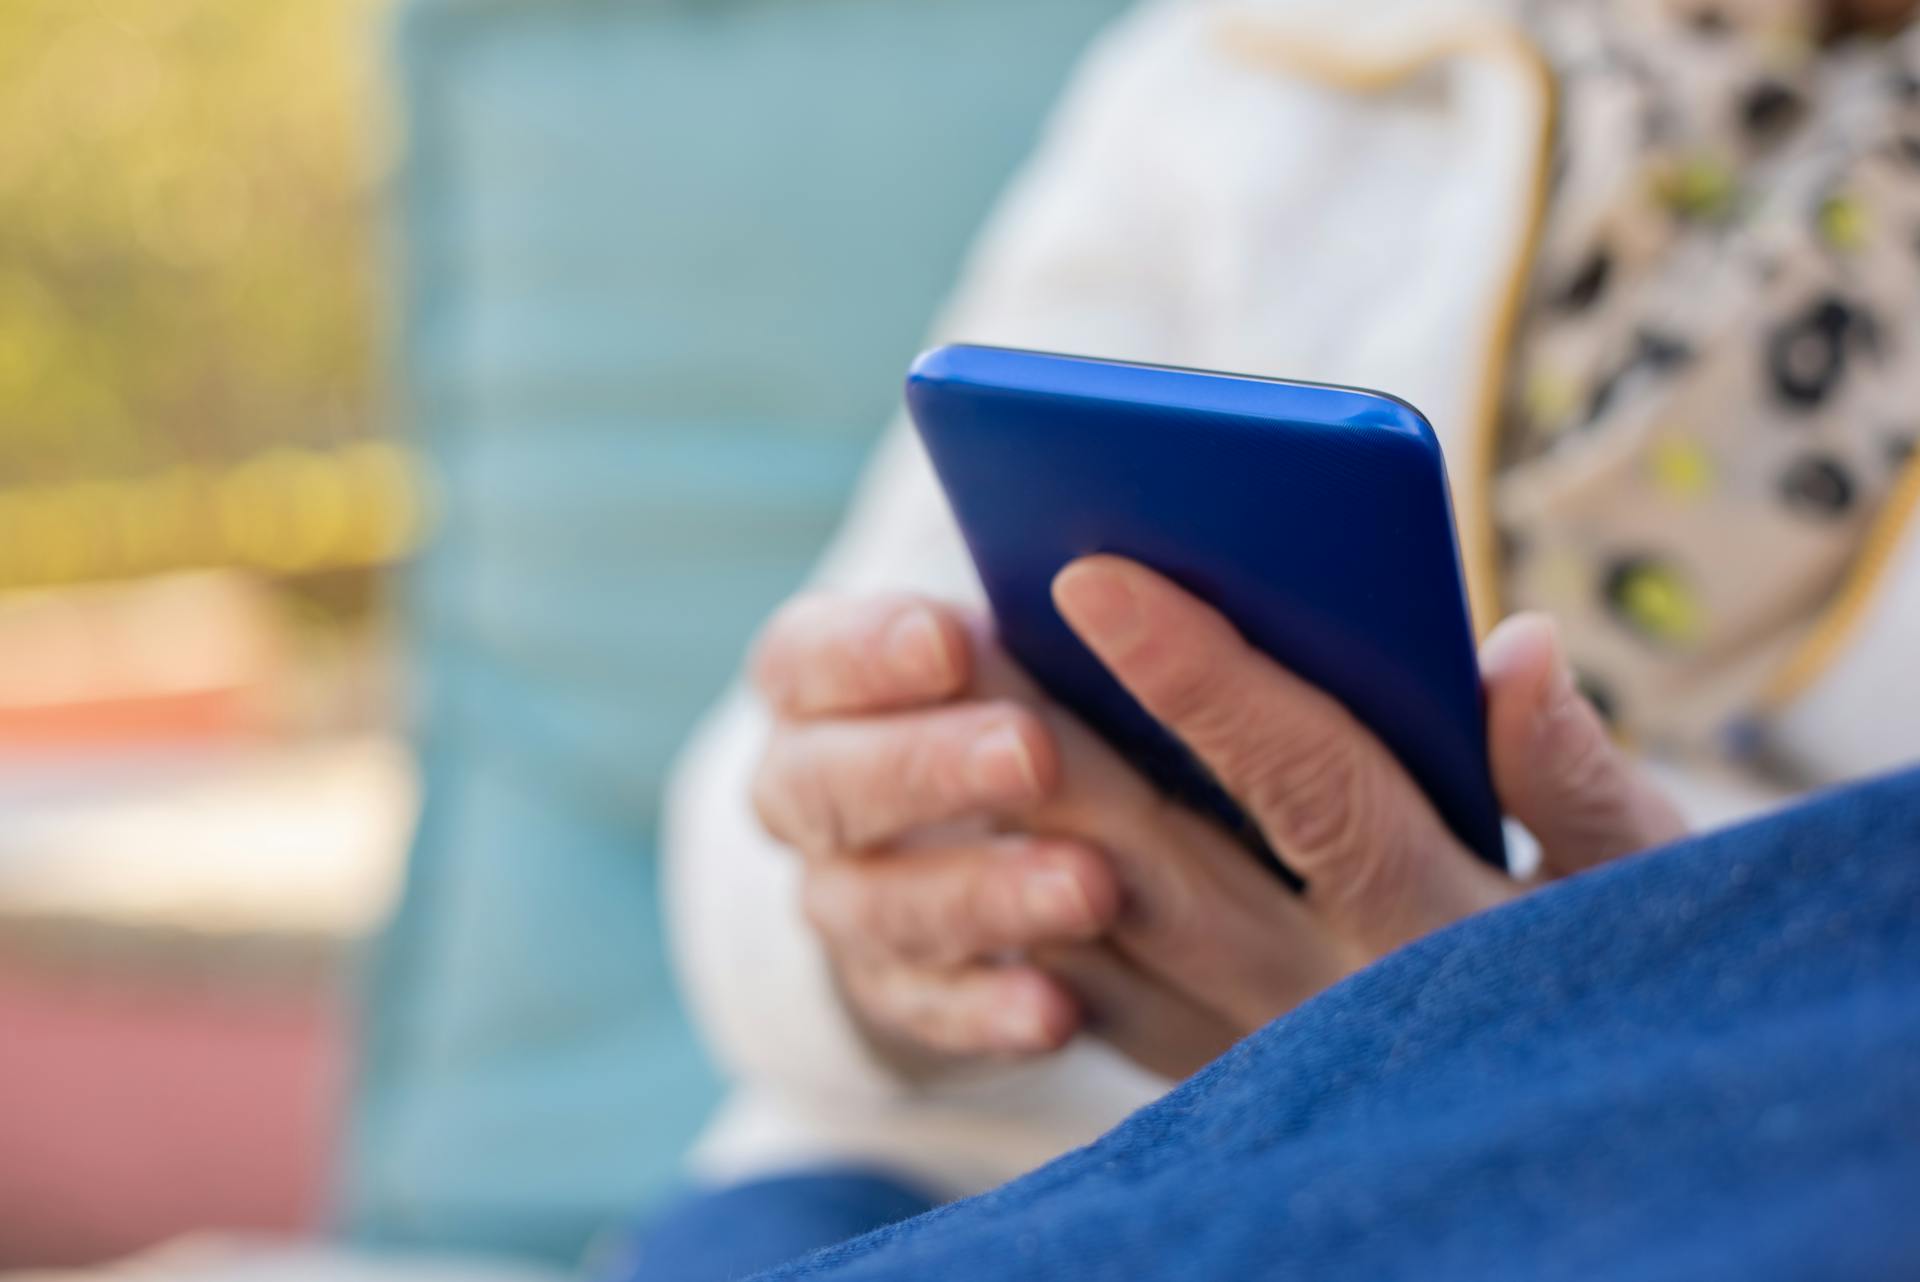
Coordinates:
(1585, 769)
(773, 652)
(913, 1008)
(823, 904)
(805, 791)
(916, 919)
(939, 1028)
(990, 903)
(1312, 797)
(880, 996)
(935, 768)
(916, 925)
(924, 763)
(949, 924)
(1367, 886)
(886, 919)
(772, 805)
(1357, 858)
(1194, 698)
(1593, 798)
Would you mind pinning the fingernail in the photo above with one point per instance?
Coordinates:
(916, 650)
(1053, 898)
(1515, 643)
(1001, 766)
(1530, 641)
(1097, 600)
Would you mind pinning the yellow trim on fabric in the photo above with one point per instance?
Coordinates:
(1840, 620)
(1263, 46)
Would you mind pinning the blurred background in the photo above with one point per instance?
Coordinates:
(203, 798)
(407, 411)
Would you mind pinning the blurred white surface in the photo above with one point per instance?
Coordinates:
(299, 841)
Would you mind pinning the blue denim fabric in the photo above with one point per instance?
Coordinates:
(1701, 1062)
(730, 1233)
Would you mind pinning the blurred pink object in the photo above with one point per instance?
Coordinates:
(128, 1117)
(176, 937)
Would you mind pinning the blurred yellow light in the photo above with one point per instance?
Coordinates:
(287, 511)
(282, 511)
(164, 519)
(12, 537)
(55, 542)
(384, 482)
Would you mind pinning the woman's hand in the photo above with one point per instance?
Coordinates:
(989, 877)
(948, 818)
(1381, 868)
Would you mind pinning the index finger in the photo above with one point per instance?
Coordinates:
(826, 653)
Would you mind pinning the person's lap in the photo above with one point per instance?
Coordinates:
(1699, 1061)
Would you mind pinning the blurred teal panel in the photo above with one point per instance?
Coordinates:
(662, 264)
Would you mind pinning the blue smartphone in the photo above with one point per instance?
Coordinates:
(1317, 519)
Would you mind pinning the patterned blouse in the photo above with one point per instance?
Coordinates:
(1716, 385)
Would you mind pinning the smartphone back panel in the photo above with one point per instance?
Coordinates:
(1317, 519)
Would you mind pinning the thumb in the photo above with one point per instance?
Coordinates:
(1554, 765)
